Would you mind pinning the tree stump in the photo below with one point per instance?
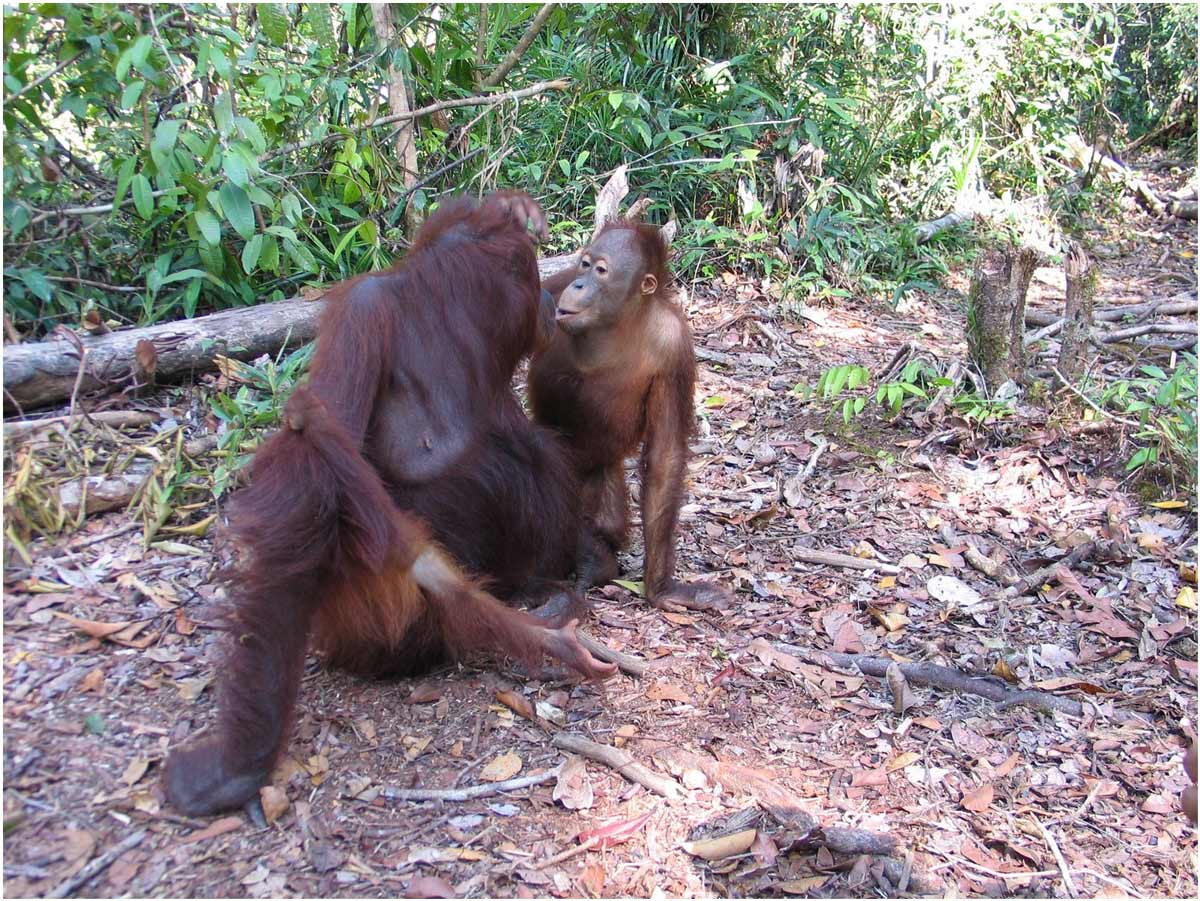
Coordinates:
(1082, 279)
(996, 314)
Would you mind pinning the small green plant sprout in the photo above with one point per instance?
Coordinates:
(912, 384)
(848, 377)
(982, 409)
(915, 374)
(253, 407)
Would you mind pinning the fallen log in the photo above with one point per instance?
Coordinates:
(926, 231)
(42, 373)
(937, 676)
(1088, 159)
(1183, 304)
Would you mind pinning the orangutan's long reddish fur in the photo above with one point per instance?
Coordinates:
(404, 456)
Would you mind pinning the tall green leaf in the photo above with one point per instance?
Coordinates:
(124, 177)
(223, 113)
(132, 92)
(235, 168)
(250, 254)
(143, 197)
(236, 206)
(319, 17)
(274, 21)
(166, 133)
(209, 225)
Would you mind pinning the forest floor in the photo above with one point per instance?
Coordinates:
(109, 660)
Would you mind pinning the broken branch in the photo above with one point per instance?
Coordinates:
(621, 761)
(113, 418)
(829, 558)
(627, 663)
(470, 792)
(937, 676)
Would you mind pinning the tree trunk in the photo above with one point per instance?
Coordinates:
(406, 145)
(996, 314)
(1082, 280)
(1024, 261)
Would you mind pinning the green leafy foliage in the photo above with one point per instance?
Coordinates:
(181, 125)
(849, 378)
(913, 388)
(1164, 403)
(252, 408)
(798, 142)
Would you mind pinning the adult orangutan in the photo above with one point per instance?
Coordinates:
(619, 374)
(403, 459)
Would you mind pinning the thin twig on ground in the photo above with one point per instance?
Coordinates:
(820, 445)
(73, 547)
(899, 360)
(993, 569)
(96, 866)
(1038, 577)
(1068, 882)
(569, 853)
(831, 558)
(619, 760)
(728, 321)
(1091, 403)
(470, 792)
